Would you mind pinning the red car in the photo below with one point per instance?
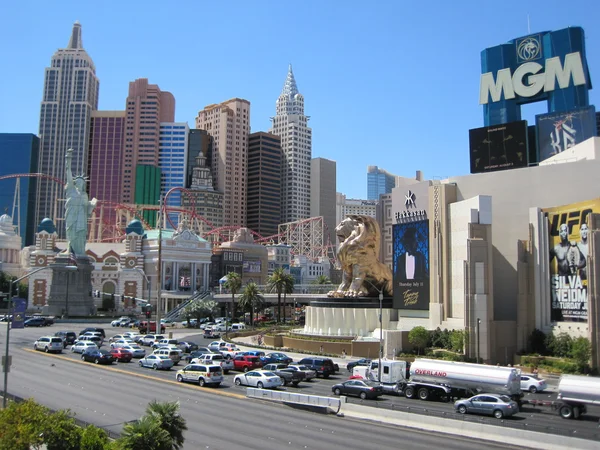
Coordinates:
(246, 363)
(121, 354)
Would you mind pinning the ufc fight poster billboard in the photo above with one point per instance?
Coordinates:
(568, 241)
(557, 132)
(410, 243)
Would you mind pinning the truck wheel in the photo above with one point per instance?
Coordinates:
(409, 392)
(566, 412)
(423, 393)
(498, 414)
(462, 409)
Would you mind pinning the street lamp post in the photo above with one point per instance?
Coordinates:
(10, 300)
(478, 345)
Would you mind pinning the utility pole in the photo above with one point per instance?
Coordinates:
(159, 266)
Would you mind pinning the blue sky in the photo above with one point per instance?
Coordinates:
(387, 83)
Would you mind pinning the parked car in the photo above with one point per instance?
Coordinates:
(82, 346)
(99, 330)
(215, 358)
(245, 363)
(145, 327)
(322, 366)
(359, 388)
(95, 339)
(288, 376)
(131, 335)
(173, 353)
(117, 337)
(135, 350)
(498, 406)
(49, 344)
(156, 362)
(258, 353)
(215, 346)
(98, 356)
(198, 353)
(533, 384)
(164, 342)
(187, 346)
(309, 374)
(68, 337)
(35, 322)
(209, 333)
(361, 362)
(121, 355)
(229, 351)
(121, 322)
(258, 378)
(277, 357)
(150, 339)
(121, 343)
(201, 373)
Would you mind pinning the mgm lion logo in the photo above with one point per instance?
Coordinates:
(363, 274)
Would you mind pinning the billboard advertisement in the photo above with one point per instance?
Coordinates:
(499, 147)
(568, 241)
(411, 265)
(556, 132)
(251, 266)
(18, 318)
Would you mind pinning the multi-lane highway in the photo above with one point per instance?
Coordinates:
(217, 418)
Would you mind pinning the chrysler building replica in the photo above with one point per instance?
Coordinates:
(291, 125)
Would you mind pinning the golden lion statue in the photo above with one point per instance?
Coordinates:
(363, 274)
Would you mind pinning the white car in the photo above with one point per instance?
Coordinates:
(116, 337)
(82, 346)
(49, 344)
(258, 378)
(119, 322)
(532, 384)
(309, 373)
(135, 350)
(215, 358)
(130, 335)
(229, 352)
(121, 343)
(165, 342)
(215, 346)
(150, 339)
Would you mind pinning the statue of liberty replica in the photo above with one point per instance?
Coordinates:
(71, 289)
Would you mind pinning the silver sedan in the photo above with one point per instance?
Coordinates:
(157, 362)
(258, 378)
(498, 406)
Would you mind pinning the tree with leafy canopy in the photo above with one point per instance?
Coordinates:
(581, 351)
(322, 279)
(233, 283)
(277, 282)
(94, 438)
(198, 309)
(251, 300)
(168, 416)
(288, 288)
(144, 434)
(419, 337)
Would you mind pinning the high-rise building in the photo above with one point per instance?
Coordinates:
(322, 195)
(21, 153)
(379, 182)
(347, 206)
(264, 183)
(172, 161)
(70, 95)
(202, 198)
(107, 140)
(147, 106)
(291, 125)
(229, 125)
(199, 142)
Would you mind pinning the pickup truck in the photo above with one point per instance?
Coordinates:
(287, 375)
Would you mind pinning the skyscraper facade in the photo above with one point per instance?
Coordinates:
(199, 143)
(264, 183)
(25, 147)
(147, 106)
(107, 139)
(70, 95)
(172, 161)
(229, 125)
(322, 195)
(291, 125)
(379, 182)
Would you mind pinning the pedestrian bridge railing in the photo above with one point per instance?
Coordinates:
(299, 399)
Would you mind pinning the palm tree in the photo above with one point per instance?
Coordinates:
(167, 416)
(144, 434)
(322, 279)
(276, 282)
(288, 288)
(233, 283)
(251, 300)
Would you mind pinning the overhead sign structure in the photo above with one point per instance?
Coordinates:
(548, 66)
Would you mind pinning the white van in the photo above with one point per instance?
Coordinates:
(238, 326)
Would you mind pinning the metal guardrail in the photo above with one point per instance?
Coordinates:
(299, 399)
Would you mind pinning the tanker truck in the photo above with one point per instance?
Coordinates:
(446, 380)
(574, 393)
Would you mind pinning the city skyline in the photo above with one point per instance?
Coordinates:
(429, 82)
